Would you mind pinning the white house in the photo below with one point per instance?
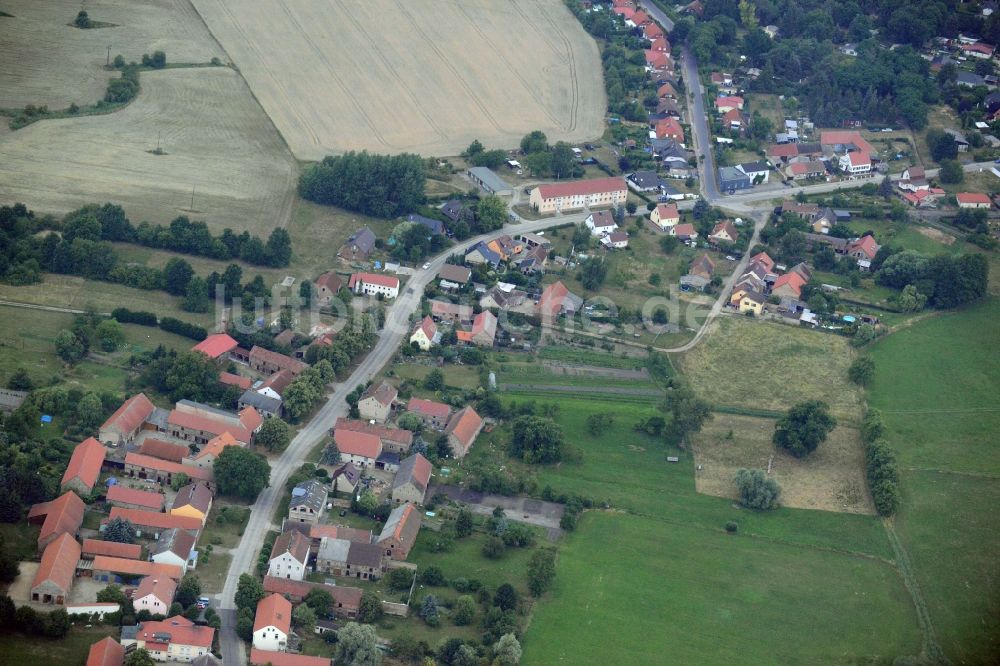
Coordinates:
(426, 334)
(601, 223)
(374, 284)
(272, 623)
(616, 240)
(856, 162)
(289, 556)
(155, 594)
(175, 546)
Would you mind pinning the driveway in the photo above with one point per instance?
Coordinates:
(519, 509)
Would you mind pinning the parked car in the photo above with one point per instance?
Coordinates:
(426, 266)
(203, 602)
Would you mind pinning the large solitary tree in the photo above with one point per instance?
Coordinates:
(241, 473)
(804, 427)
(756, 490)
(535, 439)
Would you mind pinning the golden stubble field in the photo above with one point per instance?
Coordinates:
(48, 62)
(216, 138)
(423, 76)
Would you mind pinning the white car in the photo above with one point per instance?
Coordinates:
(426, 266)
(730, 258)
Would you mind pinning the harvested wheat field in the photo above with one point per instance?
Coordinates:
(771, 366)
(422, 76)
(831, 478)
(48, 62)
(216, 138)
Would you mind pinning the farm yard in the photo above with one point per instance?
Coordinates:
(936, 384)
(57, 64)
(486, 70)
(218, 144)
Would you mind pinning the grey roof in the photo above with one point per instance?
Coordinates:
(645, 179)
(391, 522)
(405, 474)
(351, 473)
(969, 79)
(364, 554)
(388, 458)
(363, 239)
(453, 273)
(753, 166)
(453, 210)
(177, 541)
(490, 180)
(159, 418)
(488, 254)
(260, 402)
(334, 550)
(130, 632)
(729, 174)
(435, 226)
(206, 660)
(311, 494)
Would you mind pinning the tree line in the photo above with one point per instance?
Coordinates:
(383, 186)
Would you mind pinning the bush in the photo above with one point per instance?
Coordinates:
(732, 527)
(756, 490)
(433, 576)
(182, 328)
(140, 317)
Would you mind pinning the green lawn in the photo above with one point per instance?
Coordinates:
(635, 590)
(70, 650)
(937, 384)
(905, 234)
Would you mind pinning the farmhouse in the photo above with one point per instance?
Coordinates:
(758, 172)
(702, 267)
(855, 163)
(193, 500)
(805, 170)
(412, 479)
(272, 623)
(972, 200)
(205, 459)
(462, 430)
(133, 498)
(863, 248)
(579, 194)
(345, 479)
(266, 405)
(139, 466)
(308, 502)
(158, 448)
(346, 600)
(174, 639)
(484, 330)
(358, 246)
(117, 570)
(397, 440)
(268, 362)
(63, 515)
(376, 402)
(84, 467)
(54, 577)
(457, 275)
(150, 524)
(724, 232)
(557, 300)
(216, 346)
(352, 559)
(489, 181)
(122, 426)
(361, 449)
(154, 595)
(400, 532)
(289, 556)
(326, 287)
(374, 284)
(425, 335)
(197, 423)
(842, 141)
(788, 285)
(434, 414)
(455, 313)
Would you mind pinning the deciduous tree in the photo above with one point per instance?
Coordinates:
(804, 427)
(756, 490)
(241, 473)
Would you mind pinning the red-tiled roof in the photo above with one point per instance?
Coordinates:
(667, 211)
(128, 551)
(866, 244)
(385, 433)
(282, 361)
(665, 90)
(428, 326)
(685, 229)
(763, 259)
(349, 597)
(158, 448)
(260, 657)
(142, 498)
(163, 588)
(331, 281)
(216, 345)
(128, 567)
(374, 278)
(844, 137)
(162, 521)
(340, 532)
(182, 632)
(273, 611)
(350, 442)
(978, 47)
(149, 462)
(552, 298)
(59, 563)
(215, 445)
(793, 280)
(85, 463)
(782, 150)
(733, 101)
(728, 227)
(131, 414)
(206, 424)
(63, 514)
(106, 652)
(972, 198)
(581, 187)
(465, 425)
(230, 379)
(669, 128)
(859, 159)
(429, 408)
(732, 116)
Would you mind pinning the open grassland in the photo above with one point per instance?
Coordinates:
(937, 384)
(71, 650)
(676, 593)
(27, 340)
(48, 62)
(218, 145)
(461, 71)
(832, 478)
(772, 366)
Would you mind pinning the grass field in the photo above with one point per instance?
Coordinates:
(832, 478)
(218, 144)
(773, 366)
(57, 64)
(71, 650)
(27, 340)
(672, 593)
(463, 71)
(937, 384)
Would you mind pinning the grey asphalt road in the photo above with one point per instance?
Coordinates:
(699, 127)
(658, 15)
